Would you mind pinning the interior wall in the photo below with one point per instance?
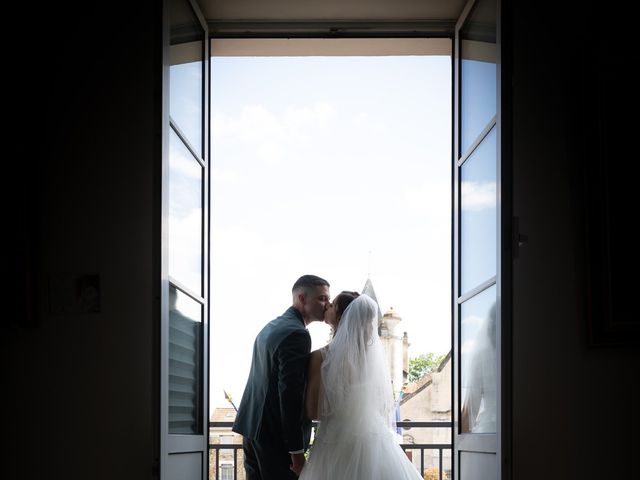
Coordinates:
(82, 399)
(573, 414)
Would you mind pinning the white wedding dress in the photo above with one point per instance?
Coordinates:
(355, 438)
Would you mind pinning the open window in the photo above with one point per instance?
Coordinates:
(185, 246)
(480, 201)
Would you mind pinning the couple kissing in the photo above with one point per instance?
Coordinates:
(345, 385)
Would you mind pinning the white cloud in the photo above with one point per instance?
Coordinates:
(182, 162)
(361, 118)
(253, 123)
(299, 120)
(227, 177)
(472, 321)
(184, 254)
(428, 199)
(478, 195)
(468, 347)
(270, 135)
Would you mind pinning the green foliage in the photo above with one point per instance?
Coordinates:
(423, 364)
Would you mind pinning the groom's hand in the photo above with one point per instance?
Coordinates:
(297, 462)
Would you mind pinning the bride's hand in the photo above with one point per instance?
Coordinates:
(297, 462)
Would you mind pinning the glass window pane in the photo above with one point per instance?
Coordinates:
(478, 72)
(185, 363)
(478, 215)
(478, 373)
(226, 472)
(185, 216)
(186, 72)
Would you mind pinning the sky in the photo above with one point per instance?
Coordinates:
(334, 166)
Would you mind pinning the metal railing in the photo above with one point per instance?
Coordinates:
(216, 449)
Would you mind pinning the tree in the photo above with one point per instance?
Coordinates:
(423, 364)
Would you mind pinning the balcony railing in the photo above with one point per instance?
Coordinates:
(216, 450)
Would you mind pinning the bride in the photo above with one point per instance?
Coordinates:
(349, 391)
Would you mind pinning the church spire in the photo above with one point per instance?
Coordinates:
(368, 290)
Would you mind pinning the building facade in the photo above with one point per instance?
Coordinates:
(224, 461)
(429, 400)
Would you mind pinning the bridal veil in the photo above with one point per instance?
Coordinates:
(355, 439)
(355, 374)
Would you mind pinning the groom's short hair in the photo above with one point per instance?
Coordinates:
(308, 282)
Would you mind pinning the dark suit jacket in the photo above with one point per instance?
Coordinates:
(272, 406)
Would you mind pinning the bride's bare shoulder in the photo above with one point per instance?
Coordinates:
(313, 384)
(316, 357)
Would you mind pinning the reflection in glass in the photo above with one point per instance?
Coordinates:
(185, 363)
(185, 216)
(478, 72)
(479, 215)
(185, 73)
(478, 374)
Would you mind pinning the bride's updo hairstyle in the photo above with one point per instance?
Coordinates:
(342, 301)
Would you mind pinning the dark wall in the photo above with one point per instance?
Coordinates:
(83, 89)
(573, 412)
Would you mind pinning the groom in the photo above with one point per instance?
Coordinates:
(271, 415)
